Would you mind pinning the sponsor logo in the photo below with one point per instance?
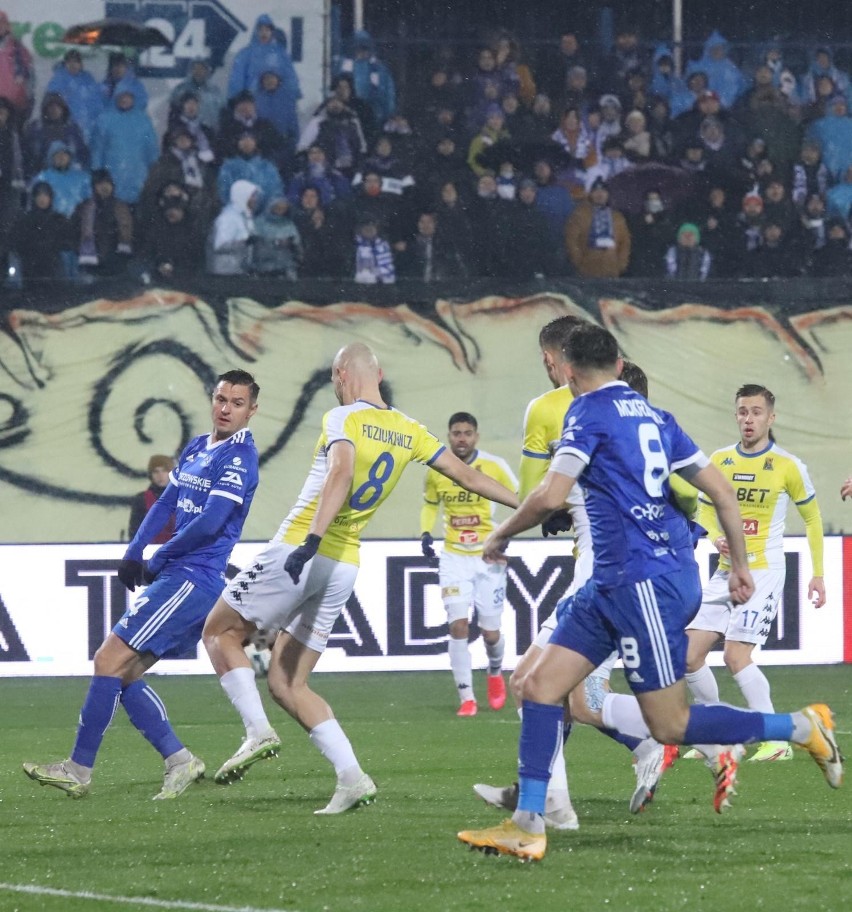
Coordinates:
(648, 511)
(232, 478)
(450, 591)
(742, 476)
(459, 522)
(237, 461)
(751, 527)
(188, 506)
(468, 537)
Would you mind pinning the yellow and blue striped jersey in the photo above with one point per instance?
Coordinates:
(468, 517)
(765, 483)
(385, 442)
(543, 421)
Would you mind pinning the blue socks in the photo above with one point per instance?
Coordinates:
(722, 724)
(98, 709)
(629, 741)
(541, 738)
(148, 713)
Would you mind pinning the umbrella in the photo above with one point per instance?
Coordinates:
(627, 190)
(115, 33)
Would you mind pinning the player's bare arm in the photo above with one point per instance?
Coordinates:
(550, 495)
(846, 488)
(714, 484)
(450, 465)
(335, 489)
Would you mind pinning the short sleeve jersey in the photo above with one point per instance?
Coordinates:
(385, 442)
(468, 517)
(628, 449)
(228, 469)
(543, 421)
(765, 483)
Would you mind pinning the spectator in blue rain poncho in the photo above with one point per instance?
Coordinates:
(834, 135)
(266, 53)
(80, 90)
(371, 77)
(120, 72)
(71, 185)
(124, 142)
(723, 75)
(249, 165)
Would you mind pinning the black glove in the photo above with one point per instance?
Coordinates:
(557, 522)
(426, 542)
(297, 560)
(131, 573)
(148, 575)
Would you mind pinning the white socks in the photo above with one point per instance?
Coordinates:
(622, 712)
(240, 686)
(331, 741)
(460, 666)
(702, 684)
(755, 688)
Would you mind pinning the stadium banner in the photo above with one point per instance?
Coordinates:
(58, 602)
(90, 387)
(214, 30)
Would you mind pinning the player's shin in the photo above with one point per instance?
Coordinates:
(541, 741)
(95, 717)
(148, 714)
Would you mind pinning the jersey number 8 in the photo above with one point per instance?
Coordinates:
(366, 494)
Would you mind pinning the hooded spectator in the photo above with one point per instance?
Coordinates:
(723, 76)
(103, 227)
(231, 240)
(54, 125)
(834, 135)
(17, 74)
(174, 247)
(266, 52)
(71, 185)
(278, 248)
(42, 238)
(124, 142)
(371, 77)
(121, 75)
(249, 165)
(79, 89)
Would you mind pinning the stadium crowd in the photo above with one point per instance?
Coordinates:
(573, 163)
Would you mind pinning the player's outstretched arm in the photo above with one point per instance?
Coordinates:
(714, 484)
(846, 488)
(478, 482)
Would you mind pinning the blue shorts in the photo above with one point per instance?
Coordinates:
(167, 618)
(644, 621)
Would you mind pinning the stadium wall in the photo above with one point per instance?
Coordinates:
(57, 603)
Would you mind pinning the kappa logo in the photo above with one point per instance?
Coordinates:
(232, 478)
(728, 460)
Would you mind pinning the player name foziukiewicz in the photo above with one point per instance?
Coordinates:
(383, 435)
(635, 408)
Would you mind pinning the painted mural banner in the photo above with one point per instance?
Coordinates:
(90, 392)
(57, 603)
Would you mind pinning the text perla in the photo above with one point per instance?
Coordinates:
(383, 435)
(636, 408)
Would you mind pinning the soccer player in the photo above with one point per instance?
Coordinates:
(644, 589)
(209, 493)
(766, 479)
(543, 423)
(301, 581)
(466, 580)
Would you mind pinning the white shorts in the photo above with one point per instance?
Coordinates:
(466, 580)
(748, 623)
(582, 574)
(264, 594)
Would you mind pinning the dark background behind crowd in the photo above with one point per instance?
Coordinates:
(536, 150)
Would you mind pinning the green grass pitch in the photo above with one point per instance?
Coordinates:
(785, 845)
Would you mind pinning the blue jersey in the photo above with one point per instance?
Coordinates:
(228, 469)
(623, 450)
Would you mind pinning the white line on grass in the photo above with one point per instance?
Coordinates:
(130, 900)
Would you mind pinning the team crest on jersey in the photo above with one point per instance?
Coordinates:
(728, 460)
(767, 465)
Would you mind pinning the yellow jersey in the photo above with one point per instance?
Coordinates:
(385, 442)
(468, 517)
(765, 483)
(543, 422)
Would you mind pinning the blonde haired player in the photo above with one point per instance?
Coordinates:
(766, 479)
(466, 580)
(301, 581)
